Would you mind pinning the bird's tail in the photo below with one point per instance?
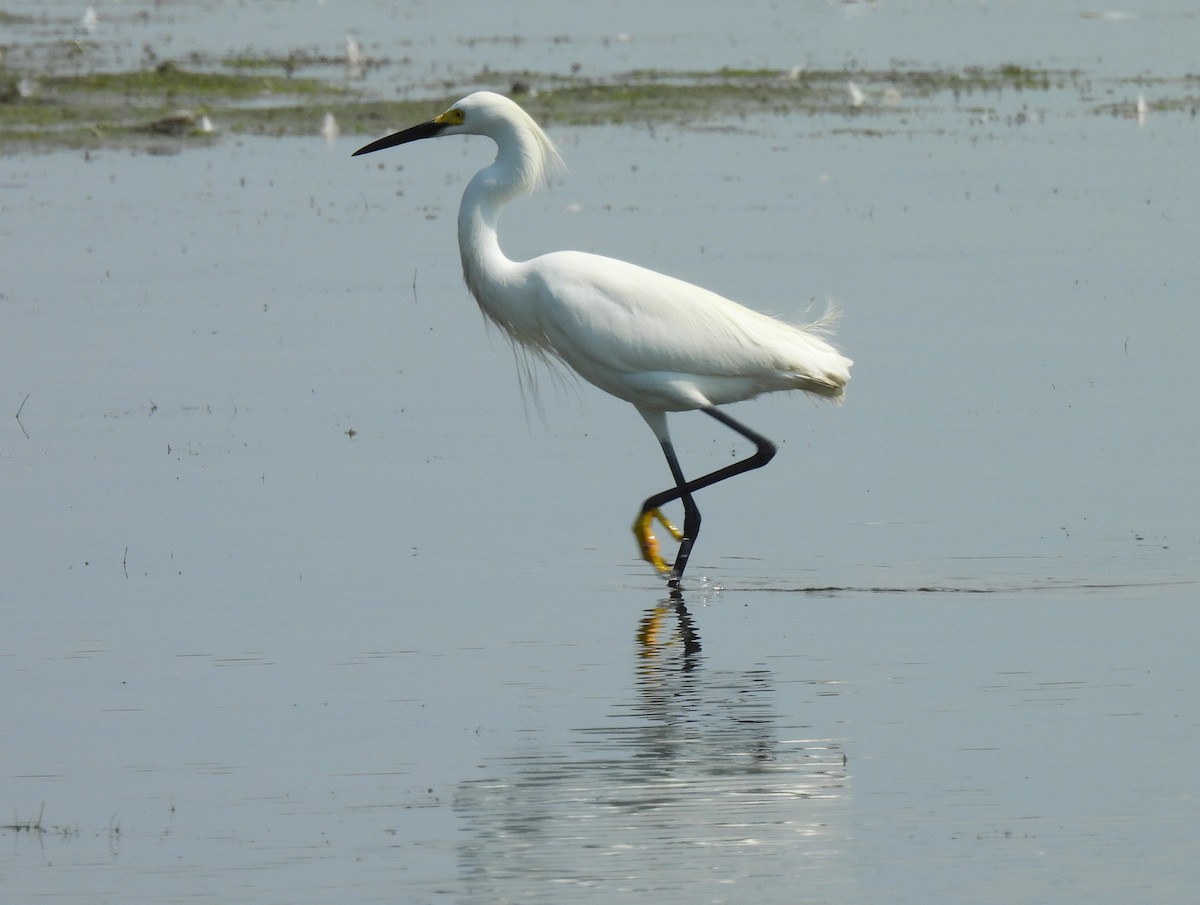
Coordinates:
(826, 324)
(828, 370)
(826, 388)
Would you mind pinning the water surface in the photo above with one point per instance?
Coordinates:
(306, 602)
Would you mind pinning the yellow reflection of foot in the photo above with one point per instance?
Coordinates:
(649, 631)
(648, 543)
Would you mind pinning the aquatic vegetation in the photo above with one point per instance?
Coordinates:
(278, 95)
(116, 107)
(169, 80)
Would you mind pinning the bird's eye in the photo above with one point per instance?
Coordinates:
(454, 116)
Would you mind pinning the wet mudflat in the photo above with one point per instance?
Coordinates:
(306, 601)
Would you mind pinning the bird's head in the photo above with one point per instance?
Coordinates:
(492, 115)
(481, 113)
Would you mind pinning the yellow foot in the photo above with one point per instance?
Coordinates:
(648, 543)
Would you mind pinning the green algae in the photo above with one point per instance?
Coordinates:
(113, 108)
(170, 81)
(287, 95)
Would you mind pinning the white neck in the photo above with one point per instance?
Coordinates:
(496, 282)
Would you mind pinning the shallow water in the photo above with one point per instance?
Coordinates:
(941, 650)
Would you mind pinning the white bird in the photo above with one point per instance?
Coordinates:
(330, 130)
(356, 60)
(655, 341)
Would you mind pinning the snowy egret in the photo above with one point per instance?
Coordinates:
(655, 341)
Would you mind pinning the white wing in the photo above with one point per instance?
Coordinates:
(613, 321)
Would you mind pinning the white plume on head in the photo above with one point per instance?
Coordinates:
(494, 115)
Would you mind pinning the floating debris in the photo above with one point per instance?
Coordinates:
(181, 122)
(1112, 15)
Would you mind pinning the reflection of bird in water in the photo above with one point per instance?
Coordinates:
(655, 635)
(655, 341)
(703, 776)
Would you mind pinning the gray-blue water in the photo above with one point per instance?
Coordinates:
(941, 650)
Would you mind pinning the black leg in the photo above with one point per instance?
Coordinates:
(691, 513)
(683, 489)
